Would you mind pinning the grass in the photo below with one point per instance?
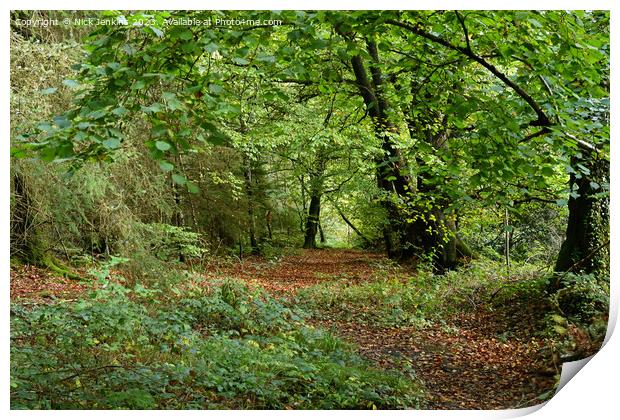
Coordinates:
(394, 299)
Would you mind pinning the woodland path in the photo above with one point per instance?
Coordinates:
(476, 360)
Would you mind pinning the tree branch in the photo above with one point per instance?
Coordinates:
(462, 20)
(536, 134)
(542, 118)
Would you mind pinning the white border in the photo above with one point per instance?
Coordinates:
(593, 394)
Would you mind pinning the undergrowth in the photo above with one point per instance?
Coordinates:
(225, 346)
(393, 299)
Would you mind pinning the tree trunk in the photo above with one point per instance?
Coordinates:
(586, 247)
(434, 231)
(25, 242)
(389, 176)
(402, 238)
(249, 192)
(312, 221)
(268, 220)
(315, 192)
(321, 233)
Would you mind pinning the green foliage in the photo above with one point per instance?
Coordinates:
(536, 231)
(383, 302)
(578, 323)
(205, 101)
(583, 297)
(396, 300)
(166, 143)
(168, 242)
(270, 251)
(223, 347)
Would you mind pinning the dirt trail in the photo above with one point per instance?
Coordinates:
(477, 360)
(306, 269)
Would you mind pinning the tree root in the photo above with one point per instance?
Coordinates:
(51, 263)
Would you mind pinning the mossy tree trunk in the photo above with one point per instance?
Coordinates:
(249, 190)
(26, 244)
(431, 232)
(316, 192)
(434, 229)
(586, 247)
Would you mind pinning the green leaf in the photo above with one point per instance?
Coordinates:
(139, 84)
(166, 166)
(535, 23)
(114, 66)
(559, 329)
(241, 61)
(153, 108)
(120, 111)
(186, 35)
(129, 49)
(216, 89)
(17, 152)
(115, 132)
(192, 188)
(547, 171)
(179, 179)
(475, 179)
(233, 109)
(97, 114)
(211, 47)
(111, 143)
(62, 122)
(266, 58)
(158, 32)
(172, 102)
(217, 138)
(162, 145)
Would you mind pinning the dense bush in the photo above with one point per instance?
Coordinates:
(169, 242)
(535, 231)
(227, 347)
(577, 326)
(384, 302)
(583, 296)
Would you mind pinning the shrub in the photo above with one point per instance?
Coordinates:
(384, 302)
(583, 296)
(169, 242)
(226, 347)
(394, 299)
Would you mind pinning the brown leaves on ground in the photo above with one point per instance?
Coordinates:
(475, 360)
(296, 271)
(461, 368)
(38, 285)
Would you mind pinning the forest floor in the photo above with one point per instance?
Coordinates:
(482, 359)
(487, 358)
